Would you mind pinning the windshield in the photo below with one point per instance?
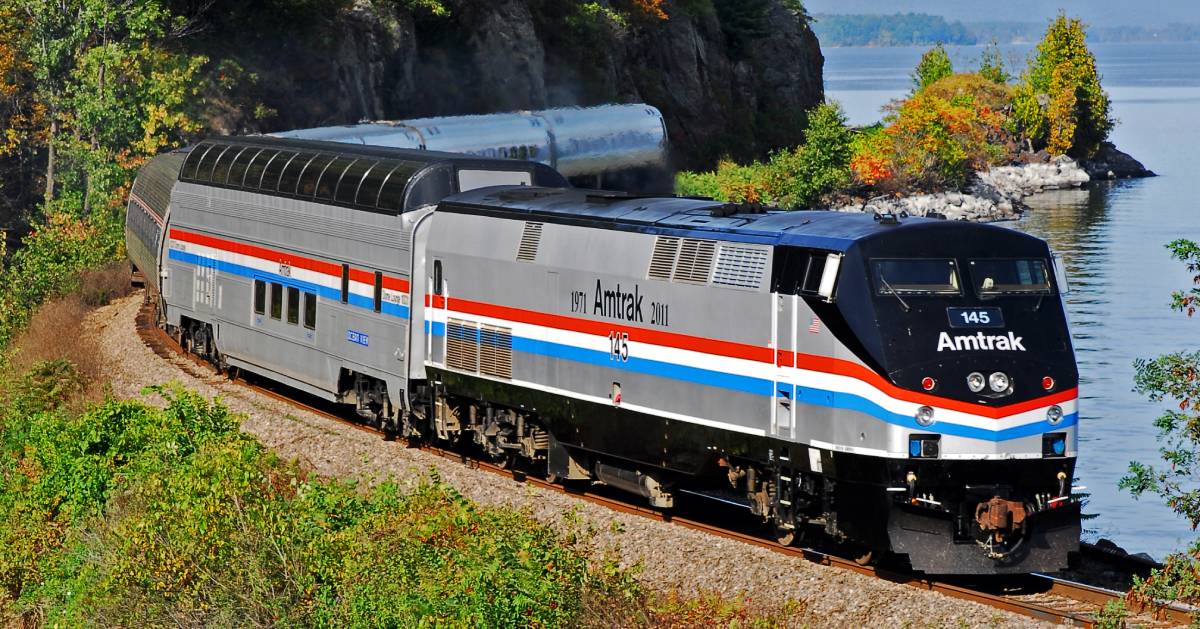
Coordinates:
(1010, 277)
(916, 277)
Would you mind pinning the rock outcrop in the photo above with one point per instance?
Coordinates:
(731, 78)
(1112, 163)
(994, 195)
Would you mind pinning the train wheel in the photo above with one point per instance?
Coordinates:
(866, 558)
(787, 536)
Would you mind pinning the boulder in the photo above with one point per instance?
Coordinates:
(1112, 163)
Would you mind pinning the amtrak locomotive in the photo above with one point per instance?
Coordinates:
(907, 385)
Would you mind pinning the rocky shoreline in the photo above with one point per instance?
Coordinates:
(997, 194)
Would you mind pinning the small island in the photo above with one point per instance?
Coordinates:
(962, 145)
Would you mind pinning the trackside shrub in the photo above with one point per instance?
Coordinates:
(1059, 102)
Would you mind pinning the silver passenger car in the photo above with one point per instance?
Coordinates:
(293, 259)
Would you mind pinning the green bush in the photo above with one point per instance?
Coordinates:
(1059, 103)
(792, 178)
(131, 515)
(934, 65)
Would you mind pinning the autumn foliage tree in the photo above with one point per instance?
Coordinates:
(1059, 102)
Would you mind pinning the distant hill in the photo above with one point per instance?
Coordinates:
(923, 29)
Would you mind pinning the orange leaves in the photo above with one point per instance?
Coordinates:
(652, 8)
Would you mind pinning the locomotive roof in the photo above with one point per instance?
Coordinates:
(704, 218)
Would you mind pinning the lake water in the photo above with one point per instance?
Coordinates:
(1112, 238)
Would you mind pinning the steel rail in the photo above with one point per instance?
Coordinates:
(164, 346)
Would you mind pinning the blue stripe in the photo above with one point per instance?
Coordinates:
(766, 388)
(332, 294)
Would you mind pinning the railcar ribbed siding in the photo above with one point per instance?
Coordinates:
(147, 210)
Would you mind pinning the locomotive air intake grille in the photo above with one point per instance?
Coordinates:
(740, 266)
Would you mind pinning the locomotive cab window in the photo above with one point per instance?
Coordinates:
(293, 305)
(916, 277)
(1010, 277)
(260, 297)
(276, 301)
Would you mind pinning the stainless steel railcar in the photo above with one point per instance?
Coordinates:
(908, 385)
(293, 259)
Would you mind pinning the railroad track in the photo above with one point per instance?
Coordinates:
(1039, 596)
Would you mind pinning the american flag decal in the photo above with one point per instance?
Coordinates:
(815, 326)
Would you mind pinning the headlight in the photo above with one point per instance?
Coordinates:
(998, 382)
(975, 382)
(1054, 414)
(924, 416)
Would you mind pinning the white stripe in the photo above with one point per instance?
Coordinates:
(838, 384)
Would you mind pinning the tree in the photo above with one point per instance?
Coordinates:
(934, 65)
(1059, 102)
(1174, 376)
(991, 64)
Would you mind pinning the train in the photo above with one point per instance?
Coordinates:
(617, 145)
(903, 386)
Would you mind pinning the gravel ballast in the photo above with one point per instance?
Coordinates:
(671, 557)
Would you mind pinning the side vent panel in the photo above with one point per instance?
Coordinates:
(495, 352)
(740, 266)
(662, 262)
(462, 345)
(530, 239)
(695, 261)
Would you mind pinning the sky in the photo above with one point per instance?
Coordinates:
(1101, 13)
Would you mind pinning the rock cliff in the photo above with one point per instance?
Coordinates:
(732, 77)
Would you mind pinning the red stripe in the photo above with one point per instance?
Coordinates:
(291, 259)
(744, 351)
(603, 328)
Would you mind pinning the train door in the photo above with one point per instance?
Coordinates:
(783, 416)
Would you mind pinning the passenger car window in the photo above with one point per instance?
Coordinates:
(205, 169)
(916, 277)
(291, 172)
(1010, 277)
(221, 170)
(237, 171)
(391, 197)
(368, 192)
(274, 167)
(378, 291)
(260, 297)
(254, 171)
(193, 160)
(276, 301)
(310, 311)
(347, 188)
(345, 283)
(329, 179)
(312, 173)
(293, 305)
